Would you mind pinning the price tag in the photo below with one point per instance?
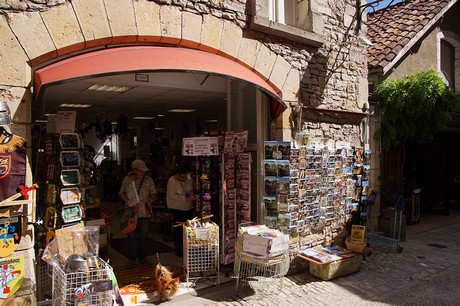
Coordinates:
(203, 233)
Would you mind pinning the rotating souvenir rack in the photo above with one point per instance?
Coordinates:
(236, 191)
(201, 251)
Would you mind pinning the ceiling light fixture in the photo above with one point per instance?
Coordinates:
(143, 118)
(181, 110)
(75, 105)
(109, 88)
(211, 121)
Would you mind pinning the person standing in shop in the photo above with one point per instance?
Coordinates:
(180, 203)
(145, 187)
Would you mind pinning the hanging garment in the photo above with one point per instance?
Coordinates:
(12, 165)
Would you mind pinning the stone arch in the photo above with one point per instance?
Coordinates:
(76, 27)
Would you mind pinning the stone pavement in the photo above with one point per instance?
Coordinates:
(425, 273)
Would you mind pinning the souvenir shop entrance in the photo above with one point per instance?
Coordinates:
(138, 102)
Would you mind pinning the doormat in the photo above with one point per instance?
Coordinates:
(137, 283)
(153, 246)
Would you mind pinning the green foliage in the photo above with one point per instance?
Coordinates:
(414, 108)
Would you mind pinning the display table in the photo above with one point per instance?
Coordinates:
(345, 264)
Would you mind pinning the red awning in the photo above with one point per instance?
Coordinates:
(125, 59)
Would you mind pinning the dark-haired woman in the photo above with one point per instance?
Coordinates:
(180, 204)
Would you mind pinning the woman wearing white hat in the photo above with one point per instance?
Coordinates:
(147, 194)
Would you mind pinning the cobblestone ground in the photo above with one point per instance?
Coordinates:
(424, 273)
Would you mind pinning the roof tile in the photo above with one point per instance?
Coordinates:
(392, 28)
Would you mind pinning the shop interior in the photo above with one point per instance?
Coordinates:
(136, 115)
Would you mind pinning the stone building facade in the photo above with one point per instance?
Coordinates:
(318, 62)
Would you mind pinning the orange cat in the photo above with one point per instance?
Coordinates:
(166, 284)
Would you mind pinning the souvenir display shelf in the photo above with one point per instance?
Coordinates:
(201, 252)
(92, 288)
(236, 200)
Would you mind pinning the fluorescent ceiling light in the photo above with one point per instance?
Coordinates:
(41, 121)
(159, 128)
(75, 105)
(160, 115)
(211, 120)
(143, 118)
(181, 110)
(109, 88)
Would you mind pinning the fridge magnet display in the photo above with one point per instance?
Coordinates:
(70, 159)
(70, 177)
(70, 195)
(10, 234)
(69, 141)
(11, 274)
(71, 213)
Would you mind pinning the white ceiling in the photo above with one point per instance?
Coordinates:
(163, 91)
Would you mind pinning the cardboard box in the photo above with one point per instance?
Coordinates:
(354, 246)
(337, 268)
(265, 246)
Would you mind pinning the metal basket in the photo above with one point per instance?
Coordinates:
(259, 272)
(201, 256)
(83, 288)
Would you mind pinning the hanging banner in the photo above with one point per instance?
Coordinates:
(200, 146)
(10, 234)
(11, 275)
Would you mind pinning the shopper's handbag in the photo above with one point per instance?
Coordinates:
(128, 222)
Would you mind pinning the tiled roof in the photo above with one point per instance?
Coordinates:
(398, 25)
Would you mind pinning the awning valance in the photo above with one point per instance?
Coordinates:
(126, 59)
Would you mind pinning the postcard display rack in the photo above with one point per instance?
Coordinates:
(201, 252)
(236, 194)
(314, 185)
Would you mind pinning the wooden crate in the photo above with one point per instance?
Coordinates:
(349, 263)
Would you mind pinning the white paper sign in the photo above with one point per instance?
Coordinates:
(279, 245)
(200, 146)
(255, 244)
(203, 233)
(65, 121)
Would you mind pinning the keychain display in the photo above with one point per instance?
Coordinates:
(50, 218)
(51, 194)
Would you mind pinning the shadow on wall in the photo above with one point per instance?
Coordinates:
(314, 81)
